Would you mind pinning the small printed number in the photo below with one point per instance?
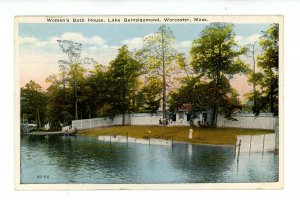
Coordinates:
(43, 176)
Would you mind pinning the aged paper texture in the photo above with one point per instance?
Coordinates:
(148, 102)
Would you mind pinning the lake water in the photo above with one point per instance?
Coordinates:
(60, 159)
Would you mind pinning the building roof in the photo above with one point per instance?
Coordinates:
(185, 107)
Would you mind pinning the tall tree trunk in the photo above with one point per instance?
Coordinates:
(38, 118)
(164, 76)
(123, 119)
(123, 107)
(123, 96)
(214, 118)
(90, 112)
(133, 103)
(217, 82)
(272, 98)
(76, 111)
(254, 72)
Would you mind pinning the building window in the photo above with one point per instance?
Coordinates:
(204, 117)
(181, 115)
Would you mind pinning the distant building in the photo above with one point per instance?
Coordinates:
(184, 116)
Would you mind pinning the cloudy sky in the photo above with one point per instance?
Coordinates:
(39, 51)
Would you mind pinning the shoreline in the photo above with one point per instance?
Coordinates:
(148, 141)
(219, 145)
(200, 135)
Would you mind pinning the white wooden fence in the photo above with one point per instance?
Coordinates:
(133, 119)
(92, 123)
(249, 121)
(257, 143)
(124, 139)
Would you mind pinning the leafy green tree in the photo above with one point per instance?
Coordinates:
(96, 89)
(204, 95)
(157, 54)
(215, 57)
(76, 80)
(149, 97)
(33, 103)
(124, 72)
(267, 78)
(60, 102)
(253, 76)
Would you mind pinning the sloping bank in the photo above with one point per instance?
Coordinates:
(201, 135)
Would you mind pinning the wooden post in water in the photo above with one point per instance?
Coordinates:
(238, 158)
(250, 144)
(263, 146)
(235, 147)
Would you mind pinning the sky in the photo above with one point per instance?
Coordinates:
(39, 51)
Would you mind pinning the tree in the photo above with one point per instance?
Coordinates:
(124, 72)
(76, 80)
(253, 76)
(268, 75)
(159, 52)
(74, 63)
(60, 102)
(73, 51)
(203, 96)
(149, 97)
(96, 89)
(215, 57)
(33, 103)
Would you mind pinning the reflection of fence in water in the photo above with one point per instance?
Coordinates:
(257, 143)
(125, 139)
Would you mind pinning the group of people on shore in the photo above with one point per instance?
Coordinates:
(165, 121)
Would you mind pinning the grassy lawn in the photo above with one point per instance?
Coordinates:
(201, 135)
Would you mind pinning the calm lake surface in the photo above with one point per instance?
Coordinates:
(60, 159)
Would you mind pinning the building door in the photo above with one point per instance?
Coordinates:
(204, 117)
(173, 117)
(188, 117)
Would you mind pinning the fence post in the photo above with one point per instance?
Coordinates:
(235, 147)
(263, 145)
(238, 158)
(276, 135)
(250, 144)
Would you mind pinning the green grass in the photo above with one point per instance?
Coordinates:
(201, 135)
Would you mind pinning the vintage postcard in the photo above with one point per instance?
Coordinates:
(148, 102)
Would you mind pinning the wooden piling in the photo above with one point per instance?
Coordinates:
(238, 158)
(263, 146)
(250, 144)
(234, 153)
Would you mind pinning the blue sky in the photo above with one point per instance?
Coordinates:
(115, 33)
(39, 51)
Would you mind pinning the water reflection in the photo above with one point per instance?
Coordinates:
(86, 160)
(203, 163)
